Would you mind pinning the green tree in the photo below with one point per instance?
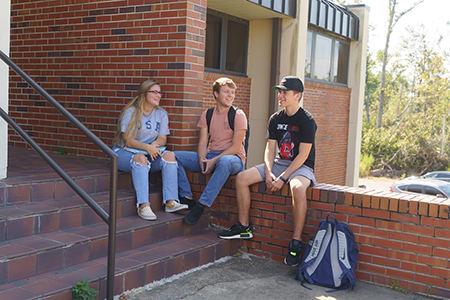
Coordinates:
(394, 17)
(371, 86)
(418, 89)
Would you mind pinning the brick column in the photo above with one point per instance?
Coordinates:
(185, 74)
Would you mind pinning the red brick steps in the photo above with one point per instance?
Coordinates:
(50, 239)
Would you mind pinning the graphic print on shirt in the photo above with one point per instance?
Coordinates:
(226, 125)
(148, 125)
(288, 141)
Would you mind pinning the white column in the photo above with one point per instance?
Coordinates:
(356, 81)
(293, 41)
(5, 6)
(258, 68)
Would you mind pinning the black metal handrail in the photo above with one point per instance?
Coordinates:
(109, 219)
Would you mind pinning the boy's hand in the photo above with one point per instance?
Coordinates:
(208, 165)
(270, 181)
(277, 185)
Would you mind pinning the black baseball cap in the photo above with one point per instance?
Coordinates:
(289, 83)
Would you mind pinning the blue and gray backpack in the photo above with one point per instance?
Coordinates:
(330, 258)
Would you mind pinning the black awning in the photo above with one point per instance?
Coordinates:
(334, 18)
(286, 7)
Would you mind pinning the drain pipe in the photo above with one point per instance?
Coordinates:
(275, 65)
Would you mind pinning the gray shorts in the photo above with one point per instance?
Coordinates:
(280, 165)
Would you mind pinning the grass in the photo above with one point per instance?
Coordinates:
(395, 285)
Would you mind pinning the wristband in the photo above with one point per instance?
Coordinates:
(282, 178)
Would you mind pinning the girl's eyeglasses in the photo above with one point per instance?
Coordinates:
(161, 93)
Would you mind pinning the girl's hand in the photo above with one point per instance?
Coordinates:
(153, 151)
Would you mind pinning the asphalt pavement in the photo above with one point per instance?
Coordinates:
(254, 278)
(377, 183)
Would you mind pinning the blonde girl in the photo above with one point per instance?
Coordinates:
(139, 142)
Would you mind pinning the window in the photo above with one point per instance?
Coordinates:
(429, 190)
(445, 188)
(226, 43)
(213, 45)
(403, 187)
(308, 58)
(416, 188)
(340, 61)
(326, 58)
(438, 176)
(322, 58)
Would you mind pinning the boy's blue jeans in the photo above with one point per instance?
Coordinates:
(226, 165)
(139, 175)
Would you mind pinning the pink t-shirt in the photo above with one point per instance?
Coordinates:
(221, 135)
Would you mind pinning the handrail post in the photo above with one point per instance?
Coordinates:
(112, 228)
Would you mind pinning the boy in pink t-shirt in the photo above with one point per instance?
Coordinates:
(226, 155)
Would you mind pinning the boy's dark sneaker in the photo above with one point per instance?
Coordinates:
(194, 215)
(237, 231)
(190, 202)
(293, 256)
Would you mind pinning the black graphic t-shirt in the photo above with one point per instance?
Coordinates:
(290, 131)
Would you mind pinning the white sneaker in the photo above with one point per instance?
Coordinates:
(175, 206)
(146, 213)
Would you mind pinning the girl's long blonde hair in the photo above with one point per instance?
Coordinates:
(135, 122)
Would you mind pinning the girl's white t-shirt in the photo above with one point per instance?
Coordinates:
(153, 125)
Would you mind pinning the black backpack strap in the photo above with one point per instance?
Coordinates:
(232, 116)
(209, 114)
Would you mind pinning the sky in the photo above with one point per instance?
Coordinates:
(433, 14)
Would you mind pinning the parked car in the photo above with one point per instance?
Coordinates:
(412, 177)
(432, 187)
(439, 175)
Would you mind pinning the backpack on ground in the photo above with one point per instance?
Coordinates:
(330, 258)
(231, 117)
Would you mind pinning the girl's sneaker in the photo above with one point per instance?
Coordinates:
(175, 206)
(146, 213)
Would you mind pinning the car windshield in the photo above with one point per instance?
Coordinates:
(442, 176)
(437, 175)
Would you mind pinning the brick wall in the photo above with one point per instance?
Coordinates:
(91, 56)
(401, 238)
(329, 105)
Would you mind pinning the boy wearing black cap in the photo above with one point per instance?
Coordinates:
(293, 131)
